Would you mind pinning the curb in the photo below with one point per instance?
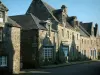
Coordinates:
(66, 64)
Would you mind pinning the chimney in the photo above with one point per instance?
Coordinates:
(64, 8)
(81, 23)
(96, 26)
(77, 23)
(73, 22)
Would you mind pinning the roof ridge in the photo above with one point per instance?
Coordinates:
(49, 10)
(14, 22)
(34, 20)
(84, 30)
(37, 24)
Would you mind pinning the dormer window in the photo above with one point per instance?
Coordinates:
(48, 26)
(1, 17)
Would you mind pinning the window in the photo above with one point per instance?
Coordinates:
(49, 30)
(84, 52)
(1, 14)
(72, 35)
(63, 32)
(65, 50)
(95, 53)
(1, 17)
(68, 34)
(91, 42)
(77, 47)
(3, 61)
(94, 42)
(48, 52)
(82, 41)
(88, 41)
(91, 52)
(77, 36)
(0, 34)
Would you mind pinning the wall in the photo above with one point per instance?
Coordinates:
(11, 45)
(46, 41)
(89, 43)
(15, 37)
(29, 48)
(69, 41)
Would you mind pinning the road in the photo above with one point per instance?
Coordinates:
(92, 68)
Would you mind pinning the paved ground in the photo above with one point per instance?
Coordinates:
(92, 68)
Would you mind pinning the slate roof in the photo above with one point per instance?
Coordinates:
(50, 8)
(68, 26)
(12, 23)
(56, 13)
(83, 32)
(87, 27)
(38, 6)
(28, 22)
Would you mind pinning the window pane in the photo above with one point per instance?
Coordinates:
(3, 61)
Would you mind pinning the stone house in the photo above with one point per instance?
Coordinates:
(45, 35)
(9, 43)
(57, 37)
(37, 37)
(89, 43)
(59, 23)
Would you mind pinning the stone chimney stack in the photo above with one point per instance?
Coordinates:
(96, 26)
(77, 23)
(64, 8)
(81, 22)
(74, 21)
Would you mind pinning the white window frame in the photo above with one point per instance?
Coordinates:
(49, 52)
(3, 61)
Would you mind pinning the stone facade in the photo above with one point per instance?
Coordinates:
(10, 43)
(11, 47)
(51, 37)
(29, 48)
(15, 37)
(47, 41)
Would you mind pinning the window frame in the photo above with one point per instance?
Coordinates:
(49, 51)
(65, 50)
(3, 61)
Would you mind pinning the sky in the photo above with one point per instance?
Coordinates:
(85, 10)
